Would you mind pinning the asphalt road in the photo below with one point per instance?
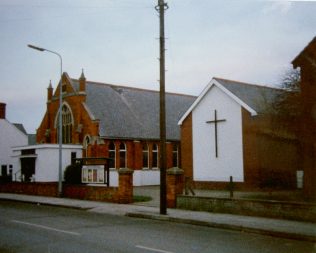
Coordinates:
(37, 228)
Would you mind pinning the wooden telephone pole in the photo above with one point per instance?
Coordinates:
(161, 7)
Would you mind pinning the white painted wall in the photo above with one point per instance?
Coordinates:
(114, 178)
(10, 136)
(206, 167)
(140, 177)
(46, 165)
(146, 177)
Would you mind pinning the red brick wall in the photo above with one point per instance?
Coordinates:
(175, 185)
(271, 155)
(40, 189)
(80, 117)
(107, 194)
(186, 147)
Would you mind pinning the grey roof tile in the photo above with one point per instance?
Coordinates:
(256, 96)
(133, 113)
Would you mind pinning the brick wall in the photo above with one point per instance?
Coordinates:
(81, 116)
(265, 208)
(121, 194)
(186, 147)
(271, 155)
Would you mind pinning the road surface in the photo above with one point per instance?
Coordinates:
(36, 228)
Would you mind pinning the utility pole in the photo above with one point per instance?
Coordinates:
(161, 7)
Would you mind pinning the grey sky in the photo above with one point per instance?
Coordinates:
(115, 41)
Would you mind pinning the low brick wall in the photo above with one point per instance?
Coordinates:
(122, 194)
(96, 193)
(263, 208)
(40, 189)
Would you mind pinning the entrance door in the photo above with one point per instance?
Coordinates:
(27, 168)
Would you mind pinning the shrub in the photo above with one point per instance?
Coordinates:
(72, 174)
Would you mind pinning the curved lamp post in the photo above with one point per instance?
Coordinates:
(60, 137)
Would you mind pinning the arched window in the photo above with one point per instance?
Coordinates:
(67, 125)
(175, 155)
(145, 156)
(155, 156)
(86, 143)
(112, 155)
(123, 154)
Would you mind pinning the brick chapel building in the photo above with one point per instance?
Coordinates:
(306, 61)
(117, 122)
(229, 132)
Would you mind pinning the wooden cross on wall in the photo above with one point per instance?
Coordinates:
(215, 122)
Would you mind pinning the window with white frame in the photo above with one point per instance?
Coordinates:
(155, 156)
(112, 155)
(86, 143)
(175, 155)
(123, 154)
(67, 125)
(145, 156)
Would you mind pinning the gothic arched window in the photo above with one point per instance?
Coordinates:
(86, 143)
(67, 125)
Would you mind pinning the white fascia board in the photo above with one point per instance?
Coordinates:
(226, 91)
(196, 102)
(48, 146)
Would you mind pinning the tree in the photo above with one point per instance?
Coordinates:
(287, 107)
(72, 174)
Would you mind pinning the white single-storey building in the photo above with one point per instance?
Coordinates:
(39, 163)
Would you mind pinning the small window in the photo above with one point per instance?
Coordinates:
(175, 156)
(4, 171)
(155, 156)
(73, 157)
(123, 155)
(145, 156)
(112, 154)
(86, 143)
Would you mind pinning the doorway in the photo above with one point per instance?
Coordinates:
(27, 168)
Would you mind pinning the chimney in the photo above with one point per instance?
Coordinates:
(82, 82)
(2, 110)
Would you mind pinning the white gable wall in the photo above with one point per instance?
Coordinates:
(10, 136)
(206, 167)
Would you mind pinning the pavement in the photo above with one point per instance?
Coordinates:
(305, 231)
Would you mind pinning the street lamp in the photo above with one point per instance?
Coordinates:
(60, 137)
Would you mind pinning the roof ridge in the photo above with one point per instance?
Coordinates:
(133, 88)
(247, 83)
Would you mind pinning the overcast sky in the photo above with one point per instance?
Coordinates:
(115, 41)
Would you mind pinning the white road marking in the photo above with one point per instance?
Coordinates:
(152, 249)
(45, 227)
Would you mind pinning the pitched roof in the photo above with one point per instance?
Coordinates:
(20, 127)
(254, 98)
(133, 113)
(307, 54)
